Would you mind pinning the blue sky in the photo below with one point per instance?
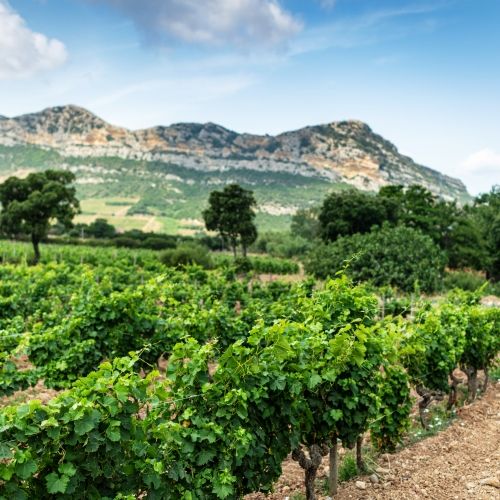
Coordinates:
(424, 73)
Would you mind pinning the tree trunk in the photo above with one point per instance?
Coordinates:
(233, 246)
(486, 379)
(471, 383)
(359, 454)
(36, 248)
(424, 402)
(310, 478)
(452, 398)
(334, 469)
(244, 250)
(310, 465)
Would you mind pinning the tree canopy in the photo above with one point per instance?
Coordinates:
(231, 214)
(30, 205)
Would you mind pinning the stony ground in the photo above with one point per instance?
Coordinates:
(460, 463)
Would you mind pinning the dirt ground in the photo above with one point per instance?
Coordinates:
(460, 463)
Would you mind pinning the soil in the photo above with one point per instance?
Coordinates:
(462, 462)
(39, 391)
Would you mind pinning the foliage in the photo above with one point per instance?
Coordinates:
(305, 223)
(397, 256)
(187, 254)
(392, 421)
(231, 214)
(350, 212)
(347, 468)
(29, 205)
(465, 280)
(255, 372)
(285, 245)
(259, 264)
(434, 346)
(486, 215)
(100, 228)
(482, 343)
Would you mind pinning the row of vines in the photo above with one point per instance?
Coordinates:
(197, 385)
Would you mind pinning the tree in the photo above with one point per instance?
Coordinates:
(231, 213)
(350, 212)
(101, 228)
(305, 223)
(30, 205)
(397, 256)
(486, 215)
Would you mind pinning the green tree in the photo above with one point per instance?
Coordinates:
(305, 223)
(418, 208)
(486, 215)
(101, 228)
(30, 205)
(350, 212)
(231, 213)
(397, 256)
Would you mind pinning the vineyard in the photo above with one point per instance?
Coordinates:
(198, 384)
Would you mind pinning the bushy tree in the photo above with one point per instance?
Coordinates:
(101, 228)
(486, 216)
(349, 212)
(397, 256)
(231, 214)
(187, 254)
(30, 205)
(305, 223)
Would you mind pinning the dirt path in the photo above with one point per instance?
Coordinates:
(460, 463)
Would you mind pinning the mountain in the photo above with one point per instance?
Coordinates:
(166, 173)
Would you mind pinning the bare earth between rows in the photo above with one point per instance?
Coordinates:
(461, 462)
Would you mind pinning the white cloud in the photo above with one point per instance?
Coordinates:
(24, 52)
(484, 161)
(244, 23)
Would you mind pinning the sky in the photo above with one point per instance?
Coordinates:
(425, 74)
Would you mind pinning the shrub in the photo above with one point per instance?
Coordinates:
(125, 242)
(158, 242)
(398, 256)
(187, 254)
(465, 280)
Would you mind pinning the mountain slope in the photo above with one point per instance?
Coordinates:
(168, 171)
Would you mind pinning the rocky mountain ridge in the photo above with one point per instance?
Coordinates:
(340, 152)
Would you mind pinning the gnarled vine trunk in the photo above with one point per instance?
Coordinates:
(452, 397)
(471, 383)
(359, 454)
(426, 398)
(310, 465)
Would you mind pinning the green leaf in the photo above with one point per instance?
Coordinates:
(67, 469)
(113, 434)
(204, 457)
(56, 483)
(314, 380)
(87, 423)
(26, 469)
(5, 451)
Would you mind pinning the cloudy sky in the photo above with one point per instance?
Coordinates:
(423, 73)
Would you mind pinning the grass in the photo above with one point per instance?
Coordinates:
(347, 468)
(107, 206)
(495, 373)
(438, 418)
